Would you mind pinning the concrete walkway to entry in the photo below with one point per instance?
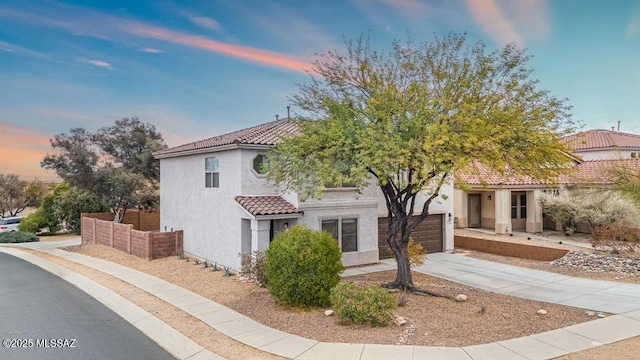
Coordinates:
(621, 299)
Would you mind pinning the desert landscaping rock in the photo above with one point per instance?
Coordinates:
(599, 263)
(399, 320)
(542, 312)
(328, 312)
(461, 297)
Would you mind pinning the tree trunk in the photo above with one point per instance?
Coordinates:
(398, 240)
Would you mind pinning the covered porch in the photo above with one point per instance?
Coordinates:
(502, 209)
(266, 217)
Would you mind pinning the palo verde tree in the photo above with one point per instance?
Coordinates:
(407, 119)
(116, 163)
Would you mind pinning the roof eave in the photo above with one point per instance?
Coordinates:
(208, 150)
(279, 216)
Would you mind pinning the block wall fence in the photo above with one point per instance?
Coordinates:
(141, 220)
(509, 249)
(145, 244)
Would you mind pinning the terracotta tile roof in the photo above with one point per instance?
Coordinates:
(267, 205)
(602, 139)
(478, 173)
(598, 171)
(589, 172)
(264, 134)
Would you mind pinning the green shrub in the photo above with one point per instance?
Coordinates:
(302, 266)
(35, 221)
(17, 237)
(360, 304)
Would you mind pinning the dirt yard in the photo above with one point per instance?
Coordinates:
(430, 321)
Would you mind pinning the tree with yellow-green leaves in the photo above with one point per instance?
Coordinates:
(406, 119)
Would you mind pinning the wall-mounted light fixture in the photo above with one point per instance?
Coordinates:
(449, 218)
(489, 197)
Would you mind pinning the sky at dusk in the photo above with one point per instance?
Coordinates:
(196, 69)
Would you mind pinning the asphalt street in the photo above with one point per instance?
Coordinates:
(44, 317)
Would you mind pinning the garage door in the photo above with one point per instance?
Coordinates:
(429, 234)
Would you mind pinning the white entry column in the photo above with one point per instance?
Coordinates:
(503, 211)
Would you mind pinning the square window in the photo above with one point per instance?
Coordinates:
(345, 231)
(331, 226)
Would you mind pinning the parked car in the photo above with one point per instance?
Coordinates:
(10, 223)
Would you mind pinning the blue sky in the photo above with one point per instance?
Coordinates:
(196, 69)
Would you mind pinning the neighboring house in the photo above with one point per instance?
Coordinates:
(510, 203)
(216, 192)
(604, 144)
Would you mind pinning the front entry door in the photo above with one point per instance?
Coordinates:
(473, 205)
(519, 210)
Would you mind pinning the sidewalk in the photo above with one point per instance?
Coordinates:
(596, 295)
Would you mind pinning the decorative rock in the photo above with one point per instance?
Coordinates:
(601, 315)
(461, 297)
(328, 312)
(591, 313)
(399, 320)
(542, 312)
(600, 263)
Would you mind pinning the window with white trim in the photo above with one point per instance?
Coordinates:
(345, 231)
(211, 174)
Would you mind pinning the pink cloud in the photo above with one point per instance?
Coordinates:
(493, 21)
(532, 18)
(26, 147)
(95, 24)
(243, 52)
(512, 21)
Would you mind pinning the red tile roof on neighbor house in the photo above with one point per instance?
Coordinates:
(587, 172)
(601, 139)
(267, 205)
(264, 134)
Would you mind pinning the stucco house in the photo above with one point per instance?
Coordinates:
(510, 203)
(604, 144)
(216, 192)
